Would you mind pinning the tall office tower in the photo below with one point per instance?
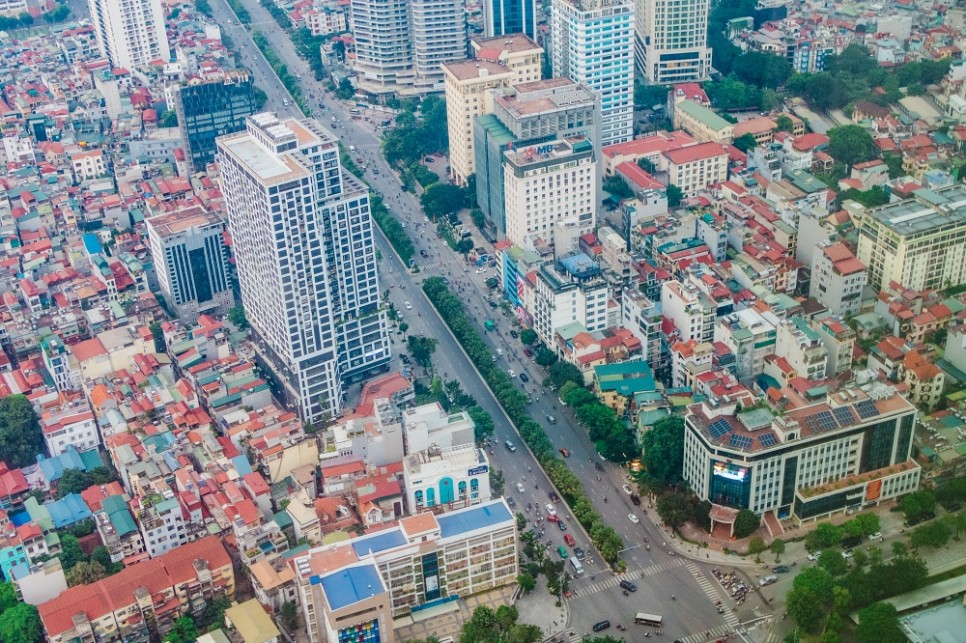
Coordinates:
(439, 36)
(131, 33)
(593, 44)
(304, 249)
(503, 17)
(520, 53)
(191, 261)
(528, 114)
(384, 48)
(671, 40)
(400, 44)
(207, 110)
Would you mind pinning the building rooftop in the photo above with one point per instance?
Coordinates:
(476, 69)
(541, 96)
(694, 153)
(380, 541)
(927, 211)
(512, 43)
(703, 115)
(482, 516)
(252, 623)
(166, 225)
(350, 585)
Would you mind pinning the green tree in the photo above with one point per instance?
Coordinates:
(482, 423)
(442, 199)
(528, 337)
(422, 349)
(664, 450)
(746, 523)
(617, 186)
(831, 560)
(545, 357)
(183, 631)
(746, 142)
(345, 89)
(527, 583)
(20, 436)
(8, 596)
(158, 335)
(73, 481)
(497, 482)
(464, 246)
(933, 534)
(646, 165)
(850, 144)
(879, 623)
(203, 7)
(869, 523)
(761, 69)
(811, 597)
(777, 547)
(673, 509)
(918, 506)
(562, 372)
(70, 552)
(21, 624)
(102, 556)
(85, 573)
(237, 317)
(784, 123)
(825, 535)
(168, 119)
(674, 195)
(290, 614)
(755, 546)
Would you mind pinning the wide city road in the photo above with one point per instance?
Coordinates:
(658, 573)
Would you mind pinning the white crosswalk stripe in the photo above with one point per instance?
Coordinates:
(614, 581)
(712, 590)
(702, 637)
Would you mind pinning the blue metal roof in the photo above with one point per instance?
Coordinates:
(242, 466)
(68, 510)
(53, 468)
(350, 585)
(379, 542)
(478, 517)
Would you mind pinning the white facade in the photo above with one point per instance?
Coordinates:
(439, 36)
(692, 312)
(131, 33)
(802, 346)
(191, 261)
(550, 193)
(305, 254)
(671, 40)
(162, 526)
(593, 44)
(751, 337)
(837, 279)
(72, 428)
(429, 425)
(450, 478)
(563, 296)
(643, 317)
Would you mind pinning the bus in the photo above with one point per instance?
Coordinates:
(653, 620)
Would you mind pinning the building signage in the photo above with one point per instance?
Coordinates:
(544, 149)
(477, 470)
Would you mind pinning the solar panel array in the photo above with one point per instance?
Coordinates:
(866, 409)
(767, 440)
(719, 427)
(740, 441)
(843, 415)
(825, 420)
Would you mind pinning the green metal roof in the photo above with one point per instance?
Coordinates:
(703, 115)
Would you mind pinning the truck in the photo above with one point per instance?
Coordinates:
(489, 324)
(578, 568)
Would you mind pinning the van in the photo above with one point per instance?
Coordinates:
(509, 446)
(768, 580)
(577, 567)
(354, 111)
(285, 102)
(569, 540)
(551, 419)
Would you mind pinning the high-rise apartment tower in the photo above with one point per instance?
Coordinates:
(130, 33)
(671, 40)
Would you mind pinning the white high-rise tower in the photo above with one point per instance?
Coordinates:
(303, 242)
(671, 40)
(130, 33)
(593, 44)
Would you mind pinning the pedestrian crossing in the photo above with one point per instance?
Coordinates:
(712, 590)
(705, 636)
(614, 581)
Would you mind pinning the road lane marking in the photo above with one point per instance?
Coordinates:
(711, 590)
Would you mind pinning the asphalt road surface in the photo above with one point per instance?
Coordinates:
(658, 573)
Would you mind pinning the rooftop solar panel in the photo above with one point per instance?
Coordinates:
(719, 427)
(825, 420)
(767, 440)
(843, 415)
(866, 409)
(740, 441)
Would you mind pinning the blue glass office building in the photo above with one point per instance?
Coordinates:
(501, 17)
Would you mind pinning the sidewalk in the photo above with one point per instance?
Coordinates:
(539, 608)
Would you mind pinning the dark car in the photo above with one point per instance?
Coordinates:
(601, 626)
(511, 502)
(780, 569)
(636, 499)
(562, 525)
(513, 334)
(628, 585)
(554, 498)
(423, 253)
(579, 553)
(524, 377)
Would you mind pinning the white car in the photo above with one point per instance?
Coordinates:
(511, 373)
(551, 510)
(813, 556)
(876, 537)
(499, 351)
(408, 305)
(847, 553)
(521, 488)
(633, 518)
(628, 490)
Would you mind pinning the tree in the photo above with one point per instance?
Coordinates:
(664, 450)
(777, 547)
(784, 123)
(869, 523)
(746, 523)
(746, 142)
(755, 546)
(730, 93)
(673, 509)
(442, 199)
(645, 164)
(761, 69)
(183, 631)
(545, 357)
(8, 596)
(345, 90)
(71, 553)
(157, 333)
(831, 560)
(73, 481)
(497, 482)
(85, 573)
(918, 506)
(823, 536)
(20, 436)
(527, 583)
(528, 337)
(850, 144)
(674, 195)
(103, 475)
(933, 534)
(811, 597)
(879, 623)
(102, 556)
(617, 186)
(169, 119)
(562, 372)
(338, 48)
(464, 245)
(482, 423)
(422, 349)
(871, 198)
(237, 317)
(21, 624)
(290, 614)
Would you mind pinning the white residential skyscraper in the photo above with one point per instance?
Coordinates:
(303, 242)
(593, 44)
(130, 33)
(400, 44)
(671, 40)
